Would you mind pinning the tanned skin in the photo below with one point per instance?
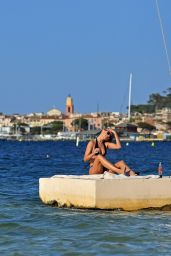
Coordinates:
(96, 156)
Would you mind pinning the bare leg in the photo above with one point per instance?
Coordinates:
(101, 162)
(123, 166)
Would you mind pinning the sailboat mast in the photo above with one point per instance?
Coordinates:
(129, 101)
(163, 36)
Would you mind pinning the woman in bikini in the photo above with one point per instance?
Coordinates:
(96, 151)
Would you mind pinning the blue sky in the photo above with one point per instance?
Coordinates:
(86, 48)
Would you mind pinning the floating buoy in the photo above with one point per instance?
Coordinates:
(47, 156)
(152, 144)
(127, 144)
(77, 141)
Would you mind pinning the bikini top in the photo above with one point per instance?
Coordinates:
(97, 146)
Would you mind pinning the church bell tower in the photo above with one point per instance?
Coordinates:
(69, 105)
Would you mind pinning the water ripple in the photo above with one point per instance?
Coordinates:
(27, 227)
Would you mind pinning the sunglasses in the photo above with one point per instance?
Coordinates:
(107, 132)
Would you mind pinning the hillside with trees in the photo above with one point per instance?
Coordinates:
(156, 101)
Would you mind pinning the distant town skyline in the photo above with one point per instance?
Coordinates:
(84, 48)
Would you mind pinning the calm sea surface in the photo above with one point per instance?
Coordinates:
(28, 227)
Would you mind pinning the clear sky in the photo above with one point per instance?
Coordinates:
(86, 48)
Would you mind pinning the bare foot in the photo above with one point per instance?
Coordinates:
(130, 173)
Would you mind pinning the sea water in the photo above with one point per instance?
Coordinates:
(28, 227)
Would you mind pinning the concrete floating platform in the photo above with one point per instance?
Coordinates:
(97, 192)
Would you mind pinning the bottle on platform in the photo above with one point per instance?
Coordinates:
(160, 170)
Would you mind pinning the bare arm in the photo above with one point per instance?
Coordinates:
(112, 145)
(90, 153)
